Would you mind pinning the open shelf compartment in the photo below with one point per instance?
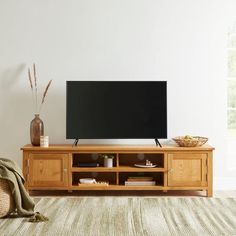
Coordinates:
(130, 159)
(158, 177)
(90, 158)
(99, 176)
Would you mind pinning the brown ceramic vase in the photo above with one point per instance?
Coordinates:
(36, 130)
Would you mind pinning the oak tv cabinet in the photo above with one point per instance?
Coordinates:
(178, 168)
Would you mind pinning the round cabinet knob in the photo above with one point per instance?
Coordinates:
(171, 170)
(65, 170)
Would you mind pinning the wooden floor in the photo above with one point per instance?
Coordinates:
(216, 194)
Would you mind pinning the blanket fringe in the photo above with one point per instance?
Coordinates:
(38, 217)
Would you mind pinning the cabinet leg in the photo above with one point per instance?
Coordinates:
(209, 192)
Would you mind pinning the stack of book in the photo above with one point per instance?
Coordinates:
(97, 184)
(140, 181)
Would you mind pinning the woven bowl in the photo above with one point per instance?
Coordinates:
(195, 141)
(6, 199)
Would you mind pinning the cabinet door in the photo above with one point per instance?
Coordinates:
(187, 169)
(48, 170)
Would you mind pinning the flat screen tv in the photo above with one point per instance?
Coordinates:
(116, 109)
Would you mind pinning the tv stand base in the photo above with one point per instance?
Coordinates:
(75, 142)
(157, 142)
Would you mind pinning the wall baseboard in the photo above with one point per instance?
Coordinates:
(224, 183)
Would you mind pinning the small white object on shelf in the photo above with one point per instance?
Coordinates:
(87, 181)
(144, 166)
(44, 141)
(108, 162)
(148, 163)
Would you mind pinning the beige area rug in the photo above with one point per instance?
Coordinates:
(92, 216)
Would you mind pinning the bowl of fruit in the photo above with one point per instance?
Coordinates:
(190, 141)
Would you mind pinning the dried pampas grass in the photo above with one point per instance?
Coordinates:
(34, 89)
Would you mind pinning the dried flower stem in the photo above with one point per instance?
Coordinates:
(36, 87)
(30, 80)
(44, 94)
(31, 86)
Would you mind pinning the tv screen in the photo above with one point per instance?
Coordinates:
(116, 109)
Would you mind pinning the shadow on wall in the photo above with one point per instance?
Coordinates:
(15, 117)
(11, 75)
(16, 112)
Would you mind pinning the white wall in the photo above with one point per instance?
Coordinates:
(183, 42)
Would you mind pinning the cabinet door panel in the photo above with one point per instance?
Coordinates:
(48, 170)
(187, 169)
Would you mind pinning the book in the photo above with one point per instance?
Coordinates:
(97, 184)
(88, 164)
(143, 178)
(140, 177)
(94, 185)
(140, 183)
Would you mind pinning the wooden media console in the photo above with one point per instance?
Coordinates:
(177, 168)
